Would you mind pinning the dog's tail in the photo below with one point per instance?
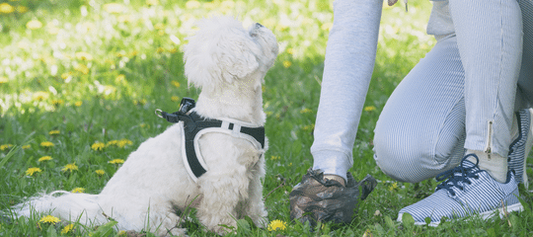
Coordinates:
(65, 205)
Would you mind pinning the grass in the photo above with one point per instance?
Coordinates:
(82, 73)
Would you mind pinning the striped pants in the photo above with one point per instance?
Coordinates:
(463, 94)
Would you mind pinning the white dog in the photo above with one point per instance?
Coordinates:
(228, 63)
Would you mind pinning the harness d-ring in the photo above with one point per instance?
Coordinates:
(158, 113)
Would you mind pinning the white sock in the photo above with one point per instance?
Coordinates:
(494, 164)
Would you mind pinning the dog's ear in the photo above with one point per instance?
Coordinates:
(220, 52)
(238, 61)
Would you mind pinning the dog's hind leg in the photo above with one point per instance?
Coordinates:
(221, 193)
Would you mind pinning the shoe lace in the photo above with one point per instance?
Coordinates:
(458, 176)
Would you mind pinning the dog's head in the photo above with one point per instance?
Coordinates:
(222, 51)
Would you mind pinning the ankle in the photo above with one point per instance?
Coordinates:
(494, 164)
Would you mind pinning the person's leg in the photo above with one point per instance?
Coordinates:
(489, 41)
(489, 37)
(420, 131)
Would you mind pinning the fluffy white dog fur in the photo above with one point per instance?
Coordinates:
(228, 63)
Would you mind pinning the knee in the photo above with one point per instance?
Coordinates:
(400, 155)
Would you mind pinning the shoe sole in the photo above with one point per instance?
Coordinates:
(503, 211)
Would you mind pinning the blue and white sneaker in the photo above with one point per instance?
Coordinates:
(467, 190)
(520, 147)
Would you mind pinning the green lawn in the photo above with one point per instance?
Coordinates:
(86, 77)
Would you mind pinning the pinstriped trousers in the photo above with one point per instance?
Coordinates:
(462, 95)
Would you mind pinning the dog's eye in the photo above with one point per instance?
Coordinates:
(258, 25)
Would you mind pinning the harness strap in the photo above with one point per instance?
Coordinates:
(194, 123)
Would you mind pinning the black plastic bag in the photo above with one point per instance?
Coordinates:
(318, 200)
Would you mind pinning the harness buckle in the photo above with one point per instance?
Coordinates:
(186, 104)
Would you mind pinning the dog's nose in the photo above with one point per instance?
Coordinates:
(258, 25)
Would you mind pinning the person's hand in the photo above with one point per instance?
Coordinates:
(319, 199)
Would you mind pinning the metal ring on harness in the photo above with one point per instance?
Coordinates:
(159, 114)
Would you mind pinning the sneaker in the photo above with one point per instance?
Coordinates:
(467, 190)
(520, 147)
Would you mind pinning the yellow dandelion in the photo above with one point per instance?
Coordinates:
(369, 108)
(40, 95)
(159, 26)
(192, 4)
(54, 132)
(113, 7)
(134, 53)
(143, 125)
(3, 80)
(287, 64)
(84, 56)
(305, 111)
(44, 158)
(5, 147)
(66, 75)
(78, 190)
(34, 24)
(67, 229)
(70, 167)
(112, 143)
(49, 219)
(99, 172)
(152, 2)
(290, 51)
(82, 68)
(120, 78)
(175, 83)
(123, 142)
(275, 157)
(277, 225)
(98, 146)
(26, 147)
(175, 98)
(173, 50)
(6, 8)
(78, 103)
(116, 161)
(22, 9)
(32, 171)
(139, 102)
(368, 233)
(47, 144)
(393, 186)
(58, 102)
(309, 127)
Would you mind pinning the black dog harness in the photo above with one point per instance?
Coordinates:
(194, 126)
